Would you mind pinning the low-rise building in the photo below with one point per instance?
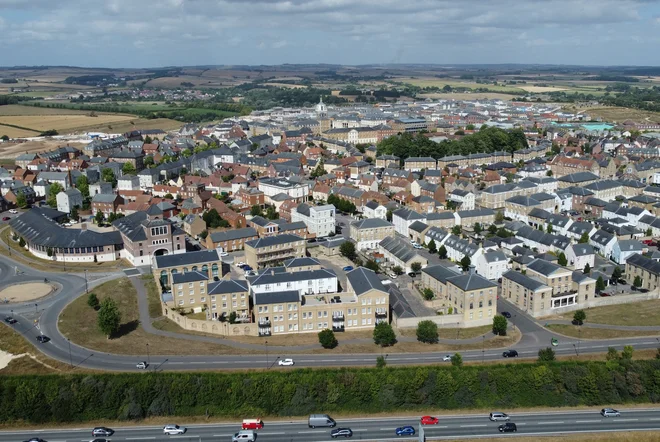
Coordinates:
(230, 240)
(368, 233)
(268, 252)
(646, 268)
(68, 199)
(399, 252)
(320, 220)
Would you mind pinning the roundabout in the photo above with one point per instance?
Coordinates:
(24, 292)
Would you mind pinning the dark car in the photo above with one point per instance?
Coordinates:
(102, 431)
(10, 320)
(35, 439)
(508, 427)
(100, 440)
(622, 282)
(643, 290)
(604, 294)
(43, 339)
(506, 314)
(341, 432)
(322, 240)
(510, 354)
(5, 218)
(405, 431)
(412, 274)
(311, 240)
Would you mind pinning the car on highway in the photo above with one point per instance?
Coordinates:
(103, 431)
(173, 429)
(506, 314)
(347, 268)
(10, 320)
(509, 427)
(36, 439)
(446, 358)
(285, 362)
(43, 339)
(498, 416)
(5, 218)
(510, 354)
(429, 420)
(341, 432)
(13, 211)
(142, 365)
(100, 440)
(610, 412)
(405, 431)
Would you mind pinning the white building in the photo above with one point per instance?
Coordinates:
(374, 210)
(320, 220)
(41, 189)
(579, 255)
(306, 282)
(275, 186)
(464, 197)
(128, 182)
(402, 219)
(492, 264)
(623, 249)
(68, 199)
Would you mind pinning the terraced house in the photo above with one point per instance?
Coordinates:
(268, 252)
(367, 233)
(646, 268)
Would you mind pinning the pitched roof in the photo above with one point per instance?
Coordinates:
(471, 281)
(362, 280)
(188, 258)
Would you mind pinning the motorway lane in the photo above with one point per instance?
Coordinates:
(378, 429)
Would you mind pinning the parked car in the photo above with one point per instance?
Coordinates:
(102, 431)
(603, 294)
(322, 240)
(412, 274)
(429, 420)
(173, 429)
(142, 365)
(341, 432)
(240, 264)
(36, 439)
(347, 268)
(610, 412)
(498, 416)
(311, 240)
(506, 314)
(43, 339)
(10, 320)
(510, 354)
(285, 362)
(509, 427)
(622, 282)
(391, 275)
(405, 431)
(5, 218)
(13, 211)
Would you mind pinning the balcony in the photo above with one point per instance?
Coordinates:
(264, 323)
(264, 332)
(338, 327)
(378, 321)
(381, 313)
(338, 317)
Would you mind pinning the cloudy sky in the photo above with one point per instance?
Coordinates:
(150, 33)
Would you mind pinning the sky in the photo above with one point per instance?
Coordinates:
(154, 33)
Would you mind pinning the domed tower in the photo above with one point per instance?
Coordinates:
(321, 109)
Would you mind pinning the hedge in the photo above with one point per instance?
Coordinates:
(82, 398)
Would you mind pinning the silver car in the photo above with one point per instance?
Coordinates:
(173, 429)
(610, 412)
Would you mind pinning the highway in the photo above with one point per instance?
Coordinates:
(378, 429)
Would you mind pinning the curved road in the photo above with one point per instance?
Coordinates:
(46, 311)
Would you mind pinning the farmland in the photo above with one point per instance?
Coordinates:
(62, 123)
(621, 114)
(455, 83)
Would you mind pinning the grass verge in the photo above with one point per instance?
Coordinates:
(24, 257)
(452, 333)
(644, 313)
(597, 333)
(153, 297)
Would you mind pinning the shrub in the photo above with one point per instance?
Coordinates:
(327, 338)
(384, 335)
(427, 294)
(500, 325)
(579, 317)
(546, 354)
(457, 360)
(427, 331)
(93, 301)
(381, 362)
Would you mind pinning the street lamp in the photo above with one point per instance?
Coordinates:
(483, 348)
(35, 307)
(86, 289)
(148, 357)
(70, 357)
(266, 355)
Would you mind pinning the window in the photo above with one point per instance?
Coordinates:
(192, 300)
(471, 306)
(202, 299)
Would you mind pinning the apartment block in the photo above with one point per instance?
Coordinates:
(270, 251)
(367, 233)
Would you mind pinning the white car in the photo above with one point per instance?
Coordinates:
(391, 275)
(285, 362)
(141, 365)
(224, 254)
(13, 211)
(446, 358)
(173, 429)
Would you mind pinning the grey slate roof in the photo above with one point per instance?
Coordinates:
(399, 248)
(471, 281)
(418, 227)
(180, 278)
(233, 234)
(440, 272)
(188, 258)
(362, 280)
(274, 276)
(524, 280)
(544, 267)
(645, 263)
(301, 262)
(583, 249)
(273, 240)
(371, 223)
(276, 297)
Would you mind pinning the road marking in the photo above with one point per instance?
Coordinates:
(587, 422)
(474, 425)
(274, 433)
(624, 420)
(140, 438)
(550, 423)
(311, 432)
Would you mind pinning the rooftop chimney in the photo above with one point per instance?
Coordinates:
(83, 226)
(472, 270)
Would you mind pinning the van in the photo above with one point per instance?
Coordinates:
(252, 424)
(498, 416)
(321, 420)
(244, 436)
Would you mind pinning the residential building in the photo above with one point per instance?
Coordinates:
(275, 186)
(320, 220)
(579, 255)
(402, 219)
(373, 209)
(68, 199)
(106, 203)
(207, 262)
(368, 233)
(266, 252)
(464, 199)
(399, 253)
(646, 268)
(230, 240)
(624, 249)
(492, 264)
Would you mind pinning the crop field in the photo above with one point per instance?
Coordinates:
(440, 82)
(542, 89)
(13, 132)
(61, 123)
(18, 110)
(621, 114)
(468, 96)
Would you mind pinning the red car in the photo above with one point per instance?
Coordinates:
(429, 420)
(5, 218)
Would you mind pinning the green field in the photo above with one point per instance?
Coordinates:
(455, 83)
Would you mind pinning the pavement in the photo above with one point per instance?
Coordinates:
(454, 427)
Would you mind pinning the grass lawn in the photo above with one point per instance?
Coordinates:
(597, 333)
(153, 296)
(644, 313)
(452, 333)
(20, 254)
(456, 83)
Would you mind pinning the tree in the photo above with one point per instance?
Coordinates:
(128, 168)
(456, 230)
(548, 173)
(492, 229)
(388, 215)
(114, 217)
(600, 284)
(372, 265)
(109, 317)
(427, 332)
(74, 213)
(579, 317)
(21, 201)
(384, 335)
(465, 263)
(457, 360)
(99, 217)
(500, 325)
(93, 301)
(442, 252)
(319, 170)
(428, 294)
(347, 249)
(562, 260)
(649, 232)
(21, 242)
(49, 252)
(397, 270)
(416, 267)
(82, 184)
(617, 273)
(256, 210)
(53, 190)
(4, 138)
(148, 140)
(381, 362)
(148, 161)
(232, 318)
(499, 217)
(327, 338)
(637, 282)
(477, 228)
(612, 354)
(212, 219)
(432, 247)
(549, 228)
(271, 213)
(587, 269)
(546, 355)
(584, 238)
(627, 352)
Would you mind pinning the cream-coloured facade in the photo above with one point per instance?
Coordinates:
(367, 233)
(273, 250)
(364, 304)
